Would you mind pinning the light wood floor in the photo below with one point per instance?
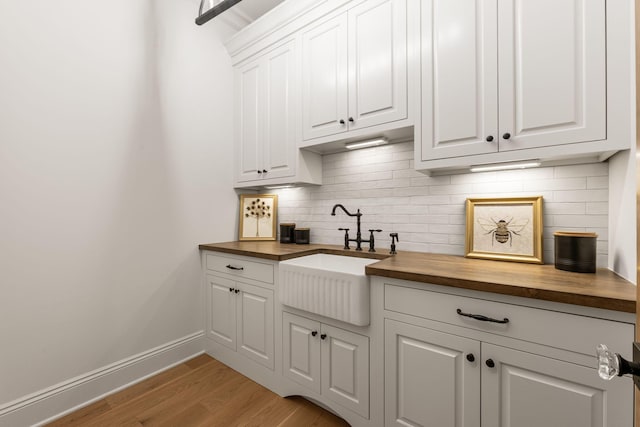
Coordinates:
(200, 392)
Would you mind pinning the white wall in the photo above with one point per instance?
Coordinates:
(428, 213)
(622, 219)
(115, 140)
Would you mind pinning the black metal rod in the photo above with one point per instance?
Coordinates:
(215, 11)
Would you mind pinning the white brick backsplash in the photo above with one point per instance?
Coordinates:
(428, 213)
(597, 182)
(589, 169)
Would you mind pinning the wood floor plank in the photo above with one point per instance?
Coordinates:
(200, 392)
(83, 415)
(198, 361)
(147, 385)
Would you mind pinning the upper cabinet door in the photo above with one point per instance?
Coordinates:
(324, 73)
(249, 84)
(552, 67)
(377, 63)
(459, 78)
(282, 106)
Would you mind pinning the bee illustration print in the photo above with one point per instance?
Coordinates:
(503, 230)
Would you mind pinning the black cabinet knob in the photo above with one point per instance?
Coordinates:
(506, 136)
(314, 333)
(351, 119)
(264, 171)
(341, 121)
(323, 336)
(471, 357)
(230, 289)
(236, 290)
(490, 363)
(490, 138)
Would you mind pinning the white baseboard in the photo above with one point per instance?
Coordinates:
(54, 402)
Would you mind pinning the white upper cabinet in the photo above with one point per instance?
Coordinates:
(459, 78)
(355, 70)
(325, 79)
(515, 77)
(552, 72)
(268, 104)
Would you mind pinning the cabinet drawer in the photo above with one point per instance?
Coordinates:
(241, 267)
(571, 332)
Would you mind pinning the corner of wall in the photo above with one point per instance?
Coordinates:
(622, 214)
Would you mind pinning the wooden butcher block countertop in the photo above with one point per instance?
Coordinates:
(604, 289)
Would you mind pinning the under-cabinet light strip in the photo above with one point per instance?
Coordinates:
(506, 166)
(369, 143)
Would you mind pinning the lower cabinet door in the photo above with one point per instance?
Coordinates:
(255, 324)
(345, 369)
(222, 311)
(431, 378)
(528, 390)
(301, 350)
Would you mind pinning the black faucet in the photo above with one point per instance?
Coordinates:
(358, 238)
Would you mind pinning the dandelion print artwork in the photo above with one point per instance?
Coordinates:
(258, 216)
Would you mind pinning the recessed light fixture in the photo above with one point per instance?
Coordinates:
(506, 166)
(368, 143)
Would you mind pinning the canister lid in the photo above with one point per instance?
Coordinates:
(301, 229)
(575, 234)
(288, 224)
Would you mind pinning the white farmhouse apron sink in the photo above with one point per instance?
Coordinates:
(334, 286)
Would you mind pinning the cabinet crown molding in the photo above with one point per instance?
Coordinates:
(281, 21)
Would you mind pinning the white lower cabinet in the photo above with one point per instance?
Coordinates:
(240, 317)
(428, 379)
(329, 361)
(530, 390)
(482, 374)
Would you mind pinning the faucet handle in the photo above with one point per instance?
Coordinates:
(394, 239)
(346, 237)
(372, 240)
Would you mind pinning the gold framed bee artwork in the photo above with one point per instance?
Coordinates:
(505, 229)
(258, 215)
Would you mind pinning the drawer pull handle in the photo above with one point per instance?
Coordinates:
(231, 267)
(481, 317)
